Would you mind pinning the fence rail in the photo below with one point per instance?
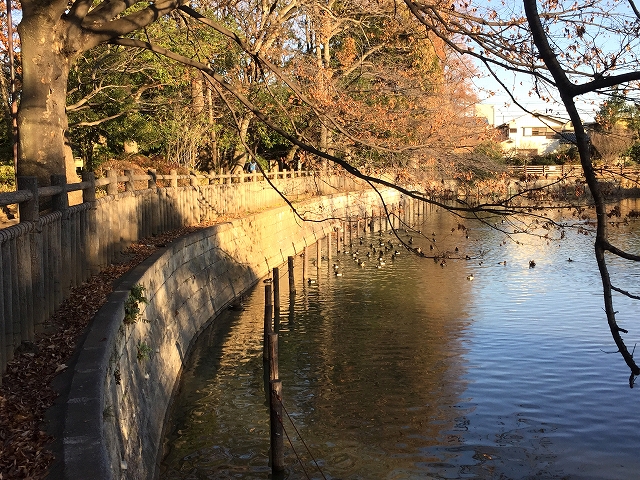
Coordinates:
(570, 170)
(47, 253)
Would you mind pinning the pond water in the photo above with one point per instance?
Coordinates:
(413, 371)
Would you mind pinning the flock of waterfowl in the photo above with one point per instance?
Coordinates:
(368, 253)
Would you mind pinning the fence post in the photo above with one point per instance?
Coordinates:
(112, 186)
(91, 236)
(29, 210)
(195, 204)
(30, 258)
(153, 174)
(155, 206)
(128, 185)
(11, 310)
(61, 204)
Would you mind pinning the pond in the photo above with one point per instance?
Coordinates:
(481, 368)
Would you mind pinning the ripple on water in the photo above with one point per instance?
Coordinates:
(412, 371)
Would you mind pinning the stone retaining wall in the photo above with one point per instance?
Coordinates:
(126, 374)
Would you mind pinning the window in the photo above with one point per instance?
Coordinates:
(538, 132)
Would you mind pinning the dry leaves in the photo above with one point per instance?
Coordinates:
(26, 394)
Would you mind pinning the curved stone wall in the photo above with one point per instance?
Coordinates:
(126, 373)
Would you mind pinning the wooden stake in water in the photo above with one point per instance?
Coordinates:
(276, 299)
(305, 263)
(277, 431)
(273, 357)
(292, 283)
(268, 309)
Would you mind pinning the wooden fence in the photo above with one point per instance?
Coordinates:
(46, 254)
(548, 171)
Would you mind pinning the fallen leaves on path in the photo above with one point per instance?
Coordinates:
(26, 392)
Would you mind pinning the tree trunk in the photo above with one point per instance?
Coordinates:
(5, 96)
(240, 154)
(42, 117)
(197, 93)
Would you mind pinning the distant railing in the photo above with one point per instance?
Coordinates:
(548, 171)
(47, 253)
(544, 170)
(194, 179)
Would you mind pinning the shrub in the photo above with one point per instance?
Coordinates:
(7, 178)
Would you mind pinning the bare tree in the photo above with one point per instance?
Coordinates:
(563, 48)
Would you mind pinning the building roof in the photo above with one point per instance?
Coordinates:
(545, 118)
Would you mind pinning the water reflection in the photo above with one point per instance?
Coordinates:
(413, 371)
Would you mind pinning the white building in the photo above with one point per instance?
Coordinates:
(533, 134)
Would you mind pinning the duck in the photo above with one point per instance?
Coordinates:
(532, 263)
(504, 262)
(311, 281)
(470, 277)
(338, 274)
(569, 259)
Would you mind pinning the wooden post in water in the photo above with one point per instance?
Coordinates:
(276, 299)
(277, 430)
(305, 263)
(273, 357)
(329, 246)
(350, 234)
(292, 283)
(318, 254)
(268, 308)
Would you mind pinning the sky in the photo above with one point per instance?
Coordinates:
(608, 33)
(521, 86)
